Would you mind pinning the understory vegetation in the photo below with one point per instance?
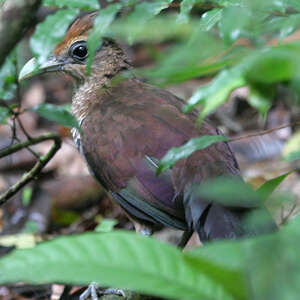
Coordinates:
(219, 47)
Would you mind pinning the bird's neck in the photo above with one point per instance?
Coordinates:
(90, 91)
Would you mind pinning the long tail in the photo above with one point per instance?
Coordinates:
(213, 221)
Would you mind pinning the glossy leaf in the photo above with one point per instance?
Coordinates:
(177, 153)
(56, 113)
(124, 260)
(210, 18)
(101, 24)
(81, 4)
(50, 32)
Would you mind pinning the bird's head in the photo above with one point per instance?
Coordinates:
(70, 55)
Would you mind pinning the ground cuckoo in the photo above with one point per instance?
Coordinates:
(127, 126)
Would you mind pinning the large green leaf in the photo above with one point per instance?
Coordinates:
(124, 260)
(273, 266)
(177, 153)
(270, 263)
(50, 32)
(81, 4)
(56, 113)
(101, 24)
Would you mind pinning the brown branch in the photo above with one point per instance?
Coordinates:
(37, 168)
(16, 16)
(237, 138)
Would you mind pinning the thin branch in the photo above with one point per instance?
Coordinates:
(40, 164)
(263, 132)
(16, 16)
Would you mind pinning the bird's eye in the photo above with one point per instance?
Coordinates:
(79, 51)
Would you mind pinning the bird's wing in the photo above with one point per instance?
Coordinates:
(131, 128)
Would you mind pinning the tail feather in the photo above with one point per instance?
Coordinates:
(213, 221)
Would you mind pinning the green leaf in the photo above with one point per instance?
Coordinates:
(234, 24)
(50, 32)
(106, 225)
(31, 226)
(210, 18)
(283, 25)
(56, 113)
(144, 12)
(185, 61)
(261, 97)
(124, 260)
(101, 24)
(265, 190)
(294, 3)
(265, 262)
(273, 64)
(216, 93)
(26, 195)
(232, 192)
(177, 153)
(81, 4)
(273, 266)
(4, 114)
(291, 150)
(185, 9)
(8, 78)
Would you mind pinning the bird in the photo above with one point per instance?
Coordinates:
(127, 126)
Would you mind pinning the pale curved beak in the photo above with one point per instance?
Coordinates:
(32, 68)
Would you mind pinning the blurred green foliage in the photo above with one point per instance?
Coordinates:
(258, 268)
(57, 113)
(238, 43)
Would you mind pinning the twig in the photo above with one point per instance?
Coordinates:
(40, 164)
(285, 218)
(237, 138)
